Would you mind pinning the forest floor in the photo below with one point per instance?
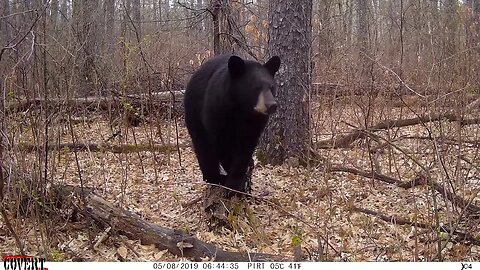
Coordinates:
(308, 203)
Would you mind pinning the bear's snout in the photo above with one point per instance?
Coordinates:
(266, 103)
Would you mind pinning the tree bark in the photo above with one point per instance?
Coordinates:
(222, 32)
(290, 38)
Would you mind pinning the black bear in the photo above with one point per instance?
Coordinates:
(227, 104)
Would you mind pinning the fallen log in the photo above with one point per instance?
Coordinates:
(93, 147)
(346, 141)
(176, 241)
(103, 103)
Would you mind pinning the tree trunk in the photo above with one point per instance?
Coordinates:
(222, 41)
(109, 27)
(363, 38)
(476, 16)
(3, 94)
(4, 24)
(166, 8)
(124, 35)
(85, 23)
(326, 33)
(137, 18)
(472, 30)
(64, 10)
(349, 22)
(108, 44)
(450, 28)
(199, 8)
(158, 11)
(418, 24)
(53, 12)
(290, 38)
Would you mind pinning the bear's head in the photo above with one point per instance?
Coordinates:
(253, 85)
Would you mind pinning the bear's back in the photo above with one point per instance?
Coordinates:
(212, 71)
(206, 71)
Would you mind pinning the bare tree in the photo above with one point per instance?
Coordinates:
(157, 6)
(222, 39)
(64, 9)
(109, 26)
(85, 21)
(4, 22)
(53, 12)
(363, 37)
(450, 26)
(199, 7)
(325, 30)
(472, 28)
(290, 38)
(165, 6)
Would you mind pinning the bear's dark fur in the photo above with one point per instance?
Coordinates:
(227, 103)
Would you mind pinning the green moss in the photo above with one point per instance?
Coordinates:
(57, 256)
(296, 240)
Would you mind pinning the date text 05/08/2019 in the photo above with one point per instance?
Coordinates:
(226, 266)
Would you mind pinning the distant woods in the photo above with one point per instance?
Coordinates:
(71, 48)
(93, 46)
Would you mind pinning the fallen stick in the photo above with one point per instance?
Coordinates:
(93, 147)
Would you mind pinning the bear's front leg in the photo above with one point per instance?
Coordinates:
(237, 176)
(241, 161)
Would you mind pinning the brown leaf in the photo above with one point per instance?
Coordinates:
(122, 252)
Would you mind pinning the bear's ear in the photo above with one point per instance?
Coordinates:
(273, 65)
(236, 66)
